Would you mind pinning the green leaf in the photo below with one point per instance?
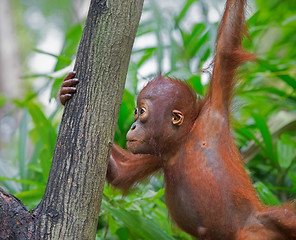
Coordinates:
(32, 197)
(71, 42)
(141, 228)
(151, 195)
(291, 19)
(293, 178)
(131, 83)
(45, 130)
(6, 170)
(2, 100)
(38, 145)
(112, 224)
(266, 195)
(35, 168)
(123, 234)
(125, 118)
(204, 57)
(59, 58)
(248, 135)
(145, 27)
(285, 151)
(148, 52)
(45, 161)
(289, 80)
(22, 145)
(160, 193)
(56, 87)
(263, 128)
(46, 133)
(193, 42)
(264, 63)
(22, 181)
(195, 83)
(184, 10)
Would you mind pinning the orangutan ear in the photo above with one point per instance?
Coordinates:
(177, 118)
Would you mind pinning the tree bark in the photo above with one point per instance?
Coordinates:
(70, 206)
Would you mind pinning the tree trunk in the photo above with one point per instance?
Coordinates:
(71, 202)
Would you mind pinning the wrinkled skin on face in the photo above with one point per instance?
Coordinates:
(138, 139)
(160, 120)
(165, 112)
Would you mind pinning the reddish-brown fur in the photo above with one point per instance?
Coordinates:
(208, 192)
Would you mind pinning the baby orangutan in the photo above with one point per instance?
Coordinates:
(208, 192)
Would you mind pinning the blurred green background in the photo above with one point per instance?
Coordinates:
(38, 43)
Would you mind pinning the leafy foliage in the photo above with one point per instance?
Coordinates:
(264, 116)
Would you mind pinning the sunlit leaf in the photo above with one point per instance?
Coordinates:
(286, 151)
(263, 128)
(289, 80)
(112, 224)
(289, 20)
(265, 194)
(195, 83)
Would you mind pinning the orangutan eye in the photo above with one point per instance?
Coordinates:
(143, 110)
(144, 114)
(136, 111)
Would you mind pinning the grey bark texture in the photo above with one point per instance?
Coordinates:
(71, 203)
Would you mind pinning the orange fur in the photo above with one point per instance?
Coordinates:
(126, 168)
(208, 192)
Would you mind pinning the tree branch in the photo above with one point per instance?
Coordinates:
(71, 203)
